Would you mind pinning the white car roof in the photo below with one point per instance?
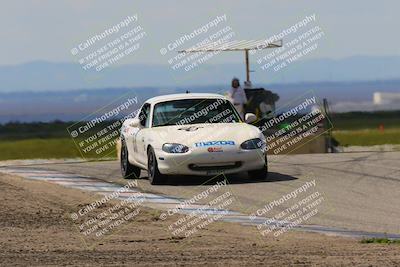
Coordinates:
(163, 98)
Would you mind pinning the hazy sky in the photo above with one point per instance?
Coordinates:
(48, 29)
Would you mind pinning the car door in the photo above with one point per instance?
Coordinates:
(140, 137)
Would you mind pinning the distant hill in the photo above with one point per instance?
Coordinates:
(72, 105)
(48, 76)
(44, 91)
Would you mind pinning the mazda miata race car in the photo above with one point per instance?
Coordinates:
(191, 134)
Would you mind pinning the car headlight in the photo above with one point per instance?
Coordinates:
(252, 144)
(175, 148)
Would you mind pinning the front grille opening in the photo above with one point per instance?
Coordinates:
(212, 167)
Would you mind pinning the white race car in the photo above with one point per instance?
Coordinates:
(191, 134)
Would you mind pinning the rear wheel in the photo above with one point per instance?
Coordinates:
(128, 170)
(155, 177)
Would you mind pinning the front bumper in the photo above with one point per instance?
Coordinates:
(210, 163)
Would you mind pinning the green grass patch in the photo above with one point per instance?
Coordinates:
(365, 120)
(380, 241)
(38, 148)
(41, 148)
(367, 137)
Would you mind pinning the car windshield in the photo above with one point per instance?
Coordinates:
(192, 111)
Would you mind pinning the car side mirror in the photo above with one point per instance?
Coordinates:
(250, 117)
(135, 122)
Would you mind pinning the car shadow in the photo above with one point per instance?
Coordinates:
(232, 179)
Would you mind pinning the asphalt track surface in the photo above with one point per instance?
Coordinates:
(361, 191)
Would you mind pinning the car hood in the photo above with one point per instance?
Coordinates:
(194, 133)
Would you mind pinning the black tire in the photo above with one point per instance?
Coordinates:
(155, 177)
(128, 170)
(260, 174)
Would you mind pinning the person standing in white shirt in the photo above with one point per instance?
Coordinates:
(237, 96)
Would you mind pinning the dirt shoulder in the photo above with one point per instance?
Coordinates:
(36, 230)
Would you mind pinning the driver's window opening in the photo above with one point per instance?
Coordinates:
(144, 116)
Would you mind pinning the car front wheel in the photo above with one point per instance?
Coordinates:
(128, 170)
(155, 177)
(260, 174)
